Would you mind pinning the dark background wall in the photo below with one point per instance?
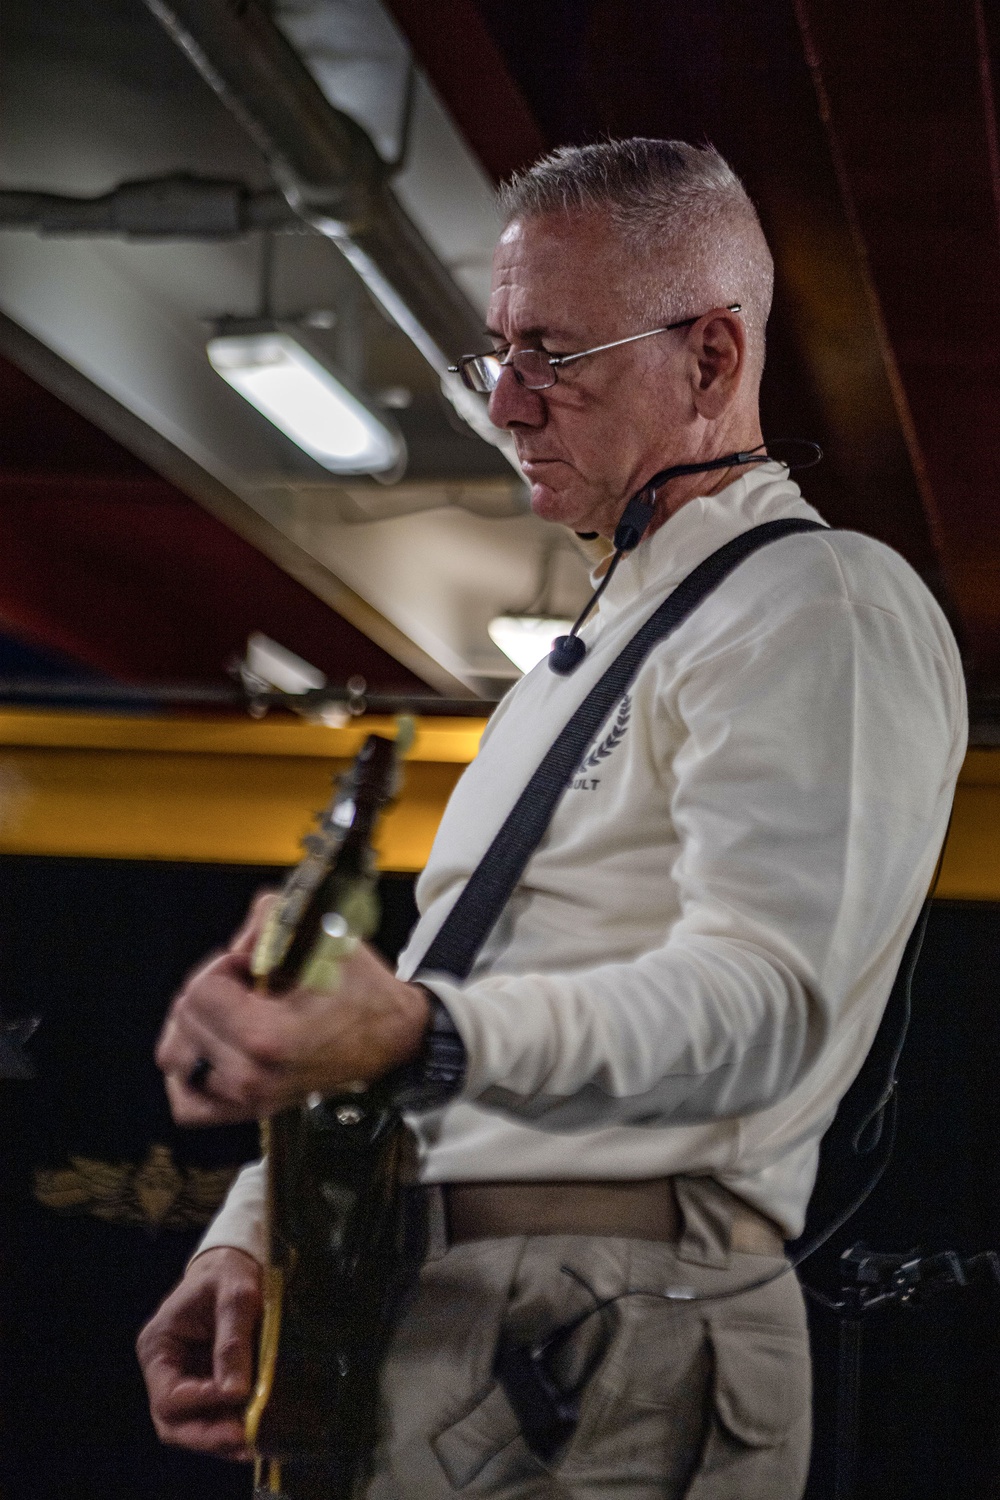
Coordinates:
(97, 948)
(930, 1400)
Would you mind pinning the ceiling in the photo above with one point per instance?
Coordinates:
(420, 566)
(866, 135)
(113, 569)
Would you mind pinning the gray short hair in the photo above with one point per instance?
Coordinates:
(671, 203)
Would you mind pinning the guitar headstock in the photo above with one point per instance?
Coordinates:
(359, 797)
(343, 833)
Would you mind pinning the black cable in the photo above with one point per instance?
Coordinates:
(595, 596)
(566, 1330)
(817, 452)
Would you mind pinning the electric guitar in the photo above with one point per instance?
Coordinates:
(342, 1250)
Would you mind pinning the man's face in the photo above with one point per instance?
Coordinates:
(586, 444)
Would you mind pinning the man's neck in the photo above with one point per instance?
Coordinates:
(669, 500)
(676, 493)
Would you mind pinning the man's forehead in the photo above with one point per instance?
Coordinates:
(513, 233)
(574, 234)
(553, 274)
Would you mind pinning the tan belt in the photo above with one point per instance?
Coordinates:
(644, 1210)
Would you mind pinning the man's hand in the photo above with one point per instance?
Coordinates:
(197, 1354)
(268, 1052)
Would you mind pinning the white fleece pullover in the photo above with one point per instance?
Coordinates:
(697, 957)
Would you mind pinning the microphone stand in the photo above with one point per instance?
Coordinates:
(873, 1279)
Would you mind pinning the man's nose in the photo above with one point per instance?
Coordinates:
(513, 405)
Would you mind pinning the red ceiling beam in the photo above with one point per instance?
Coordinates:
(450, 41)
(906, 92)
(128, 576)
(103, 560)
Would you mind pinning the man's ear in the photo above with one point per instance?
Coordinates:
(720, 348)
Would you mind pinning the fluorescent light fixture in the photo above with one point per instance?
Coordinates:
(273, 370)
(526, 639)
(276, 667)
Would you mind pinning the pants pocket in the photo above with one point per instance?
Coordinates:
(762, 1383)
(513, 1431)
(439, 1375)
(465, 1448)
(757, 1439)
(642, 1418)
(511, 1436)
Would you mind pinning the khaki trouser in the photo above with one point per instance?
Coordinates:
(707, 1400)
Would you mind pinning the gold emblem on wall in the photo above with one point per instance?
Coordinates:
(157, 1194)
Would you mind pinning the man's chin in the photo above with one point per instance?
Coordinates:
(559, 506)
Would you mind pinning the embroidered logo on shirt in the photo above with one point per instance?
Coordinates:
(581, 780)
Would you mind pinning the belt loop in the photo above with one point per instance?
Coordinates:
(707, 1211)
(437, 1221)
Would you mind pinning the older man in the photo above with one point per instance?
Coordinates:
(690, 972)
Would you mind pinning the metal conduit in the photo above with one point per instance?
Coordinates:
(326, 166)
(178, 206)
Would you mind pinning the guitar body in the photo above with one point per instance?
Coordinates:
(340, 1257)
(344, 1239)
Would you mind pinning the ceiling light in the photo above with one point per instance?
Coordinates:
(274, 666)
(526, 639)
(298, 391)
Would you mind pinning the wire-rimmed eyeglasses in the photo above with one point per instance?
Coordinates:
(536, 369)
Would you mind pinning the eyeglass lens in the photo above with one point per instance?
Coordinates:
(531, 366)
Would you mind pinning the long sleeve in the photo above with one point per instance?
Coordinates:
(240, 1221)
(807, 749)
(697, 956)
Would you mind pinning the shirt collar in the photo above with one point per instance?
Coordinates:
(697, 529)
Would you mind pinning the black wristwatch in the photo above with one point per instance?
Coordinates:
(437, 1073)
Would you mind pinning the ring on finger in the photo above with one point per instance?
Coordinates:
(198, 1077)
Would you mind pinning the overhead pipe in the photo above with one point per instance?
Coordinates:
(178, 206)
(327, 167)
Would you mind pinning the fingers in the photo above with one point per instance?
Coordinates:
(190, 1413)
(220, 1006)
(237, 1315)
(196, 1108)
(171, 1037)
(209, 1080)
(252, 1041)
(209, 1021)
(198, 1379)
(245, 940)
(270, 1052)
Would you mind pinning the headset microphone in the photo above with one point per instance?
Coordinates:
(568, 651)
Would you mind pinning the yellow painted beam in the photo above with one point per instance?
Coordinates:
(233, 791)
(222, 790)
(450, 740)
(971, 867)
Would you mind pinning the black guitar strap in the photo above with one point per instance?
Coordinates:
(469, 923)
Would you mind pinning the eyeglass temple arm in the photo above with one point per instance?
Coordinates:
(567, 359)
(555, 360)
